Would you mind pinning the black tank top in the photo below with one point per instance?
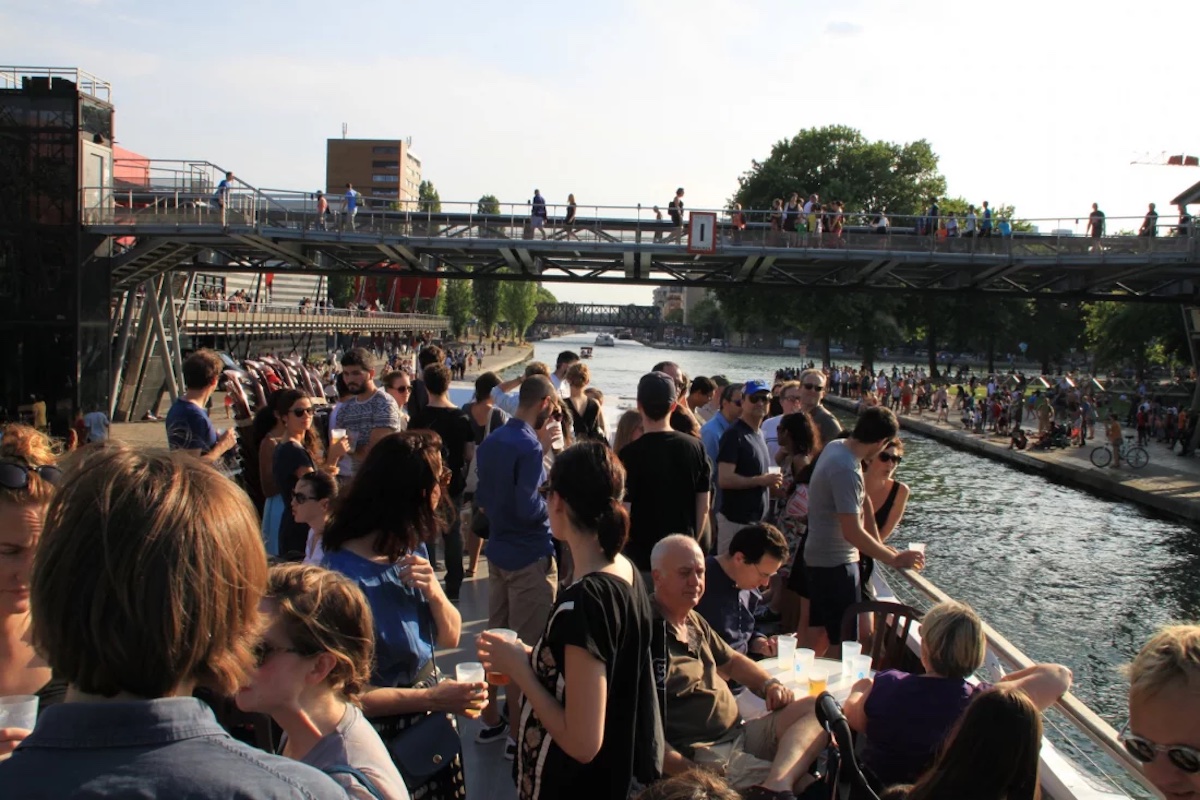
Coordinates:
(882, 513)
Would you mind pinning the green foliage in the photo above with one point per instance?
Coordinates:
(707, 316)
(341, 290)
(488, 204)
(544, 295)
(838, 163)
(457, 303)
(1134, 335)
(674, 316)
(427, 197)
(487, 304)
(518, 305)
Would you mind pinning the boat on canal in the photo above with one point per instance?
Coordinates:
(585, 351)
(605, 340)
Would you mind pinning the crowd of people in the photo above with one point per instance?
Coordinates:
(636, 580)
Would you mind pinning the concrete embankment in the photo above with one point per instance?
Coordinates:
(1169, 484)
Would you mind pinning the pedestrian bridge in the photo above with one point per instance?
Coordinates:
(141, 234)
(599, 316)
(212, 317)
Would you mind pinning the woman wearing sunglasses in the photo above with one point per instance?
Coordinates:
(889, 498)
(312, 502)
(1164, 710)
(298, 453)
(313, 661)
(27, 479)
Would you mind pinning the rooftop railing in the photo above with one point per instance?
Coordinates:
(85, 82)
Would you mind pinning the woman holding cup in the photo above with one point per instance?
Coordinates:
(589, 720)
(378, 539)
(314, 660)
(298, 453)
(27, 479)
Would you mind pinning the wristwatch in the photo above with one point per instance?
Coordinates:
(766, 687)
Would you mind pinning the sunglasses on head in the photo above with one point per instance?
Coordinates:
(14, 475)
(302, 412)
(1186, 759)
(885, 457)
(759, 398)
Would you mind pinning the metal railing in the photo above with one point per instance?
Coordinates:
(200, 314)
(1081, 718)
(130, 208)
(85, 82)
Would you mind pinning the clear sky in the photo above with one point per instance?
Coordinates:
(1039, 104)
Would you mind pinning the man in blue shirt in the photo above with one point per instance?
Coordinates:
(188, 425)
(350, 205)
(734, 587)
(221, 196)
(523, 576)
(744, 467)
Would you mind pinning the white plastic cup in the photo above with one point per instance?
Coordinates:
(469, 672)
(805, 659)
(850, 650)
(860, 668)
(773, 470)
(785, 645)
(917, 546)
(18, 711)
(337, 433)
(499, 678)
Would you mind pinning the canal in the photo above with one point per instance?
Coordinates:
(1065, 575)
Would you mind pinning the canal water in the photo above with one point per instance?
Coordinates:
(1065, 575)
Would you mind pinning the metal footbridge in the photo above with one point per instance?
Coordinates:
(143, 232)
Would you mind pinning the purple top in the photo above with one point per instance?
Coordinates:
(908, 716)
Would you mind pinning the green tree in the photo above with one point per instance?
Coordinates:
(544, 295)
(456, 302)
(427, 198)
(486, 295)
(488, 204)
(518, 305)
(674, 316)
(341, 290)
(707, 316)
(1138, 335)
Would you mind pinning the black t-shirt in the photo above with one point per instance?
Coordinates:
(454, 426)
(664, 471)
(612, 621)
(290, 457)
(746, 449)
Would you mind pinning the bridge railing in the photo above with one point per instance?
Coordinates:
(132, 208)
(205, 315)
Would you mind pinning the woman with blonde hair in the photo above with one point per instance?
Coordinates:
(906, 717)
(629, 429)
(147, 582)
(586, 420)
(314, 660)
(28, 476)
(1164, 710)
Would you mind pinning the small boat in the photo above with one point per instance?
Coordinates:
(605, 340)
(625, 334)
(585, 352)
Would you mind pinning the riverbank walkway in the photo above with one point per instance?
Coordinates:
(1169, 484)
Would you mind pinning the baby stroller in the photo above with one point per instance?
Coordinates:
(845, 778)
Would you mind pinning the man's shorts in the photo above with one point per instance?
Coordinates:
(745, 756)
(831, 591)
(522, 599)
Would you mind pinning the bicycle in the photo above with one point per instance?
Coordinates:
(1132, 454)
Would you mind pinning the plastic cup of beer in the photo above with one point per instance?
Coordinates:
(774, 470)
(18, 711)
(499, 678)
(817, 685)
(917, 546)
(785, 645)
(336, 433)
(470, 672)
(850, 650)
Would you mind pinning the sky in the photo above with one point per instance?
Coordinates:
(1039, 104)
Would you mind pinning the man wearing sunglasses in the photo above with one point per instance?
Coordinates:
(188, 425)
(743, 467)
(1164, 711)
(812, 389)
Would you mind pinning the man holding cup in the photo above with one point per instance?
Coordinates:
(744, 467)
(841, 525)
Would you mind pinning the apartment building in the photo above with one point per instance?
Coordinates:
(384, 171)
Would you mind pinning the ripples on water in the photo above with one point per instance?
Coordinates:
(1065, 575)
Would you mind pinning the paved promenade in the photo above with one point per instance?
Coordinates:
(1169, 483)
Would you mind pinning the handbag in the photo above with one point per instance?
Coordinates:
(429, 745)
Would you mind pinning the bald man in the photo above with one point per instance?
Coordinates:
(764, 757)
(522, 573)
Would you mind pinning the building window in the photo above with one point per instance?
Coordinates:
(385, 164)
(385, 178)
(385, 151)
(384, 192)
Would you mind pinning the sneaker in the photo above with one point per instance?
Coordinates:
(510, 749)
(495, 733)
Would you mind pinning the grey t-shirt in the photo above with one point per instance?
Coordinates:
(356, 744)
(360, 417)
(827, 423)
(836, 488)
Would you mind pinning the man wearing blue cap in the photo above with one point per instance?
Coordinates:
(743, 467)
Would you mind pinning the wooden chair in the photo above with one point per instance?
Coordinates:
(888, 645)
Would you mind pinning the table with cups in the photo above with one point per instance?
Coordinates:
(806, 675)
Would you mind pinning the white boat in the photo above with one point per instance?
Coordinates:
(605, 340)
(1062, 778)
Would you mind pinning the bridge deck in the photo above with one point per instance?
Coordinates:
(155, 239)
